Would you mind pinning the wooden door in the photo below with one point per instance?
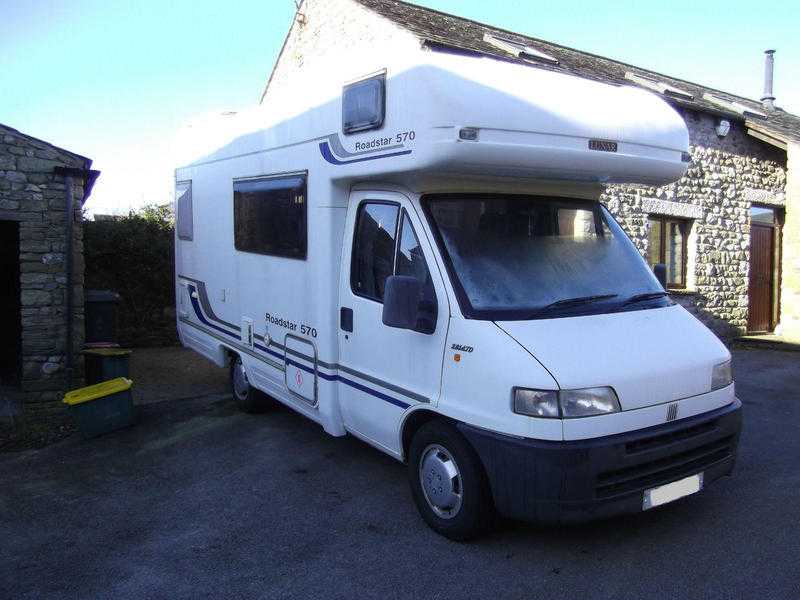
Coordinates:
(761, 288)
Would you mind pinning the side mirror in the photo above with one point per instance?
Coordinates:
(660, 271)
(401, 296)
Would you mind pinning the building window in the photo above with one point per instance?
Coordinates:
(269, 216)
(183, 211)
(761, 215)
(668, 245)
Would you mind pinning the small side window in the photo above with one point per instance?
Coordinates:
(184, 218)
(364, 105)
(373, 249)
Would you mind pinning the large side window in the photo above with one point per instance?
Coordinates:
(269, 216)
(385, 244)
(184, 217)
(373, 249)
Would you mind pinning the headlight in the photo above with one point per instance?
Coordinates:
(588, 402)
(721, 376)
(536, 403)
(566, 403)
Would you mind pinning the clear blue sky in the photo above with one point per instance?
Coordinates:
(114, 80)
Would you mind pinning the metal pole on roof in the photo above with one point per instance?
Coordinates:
(768, 99)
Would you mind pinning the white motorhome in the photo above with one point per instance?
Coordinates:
(415, 253)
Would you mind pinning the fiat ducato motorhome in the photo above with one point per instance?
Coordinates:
(416, 253)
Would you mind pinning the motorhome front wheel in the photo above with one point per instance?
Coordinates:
(448, 482)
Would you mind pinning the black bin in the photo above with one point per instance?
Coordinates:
(101, 316)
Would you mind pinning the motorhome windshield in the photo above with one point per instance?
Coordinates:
(527, 257)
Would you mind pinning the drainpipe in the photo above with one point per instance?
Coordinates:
(768, 99)
(68, 358)
(88, 176)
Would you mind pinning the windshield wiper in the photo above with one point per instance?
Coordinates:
(579, 300)
(645, 296)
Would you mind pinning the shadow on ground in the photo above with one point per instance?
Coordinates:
(200, 500)
(174, 373)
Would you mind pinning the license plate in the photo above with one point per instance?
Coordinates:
(672, 491)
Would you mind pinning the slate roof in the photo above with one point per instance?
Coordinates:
(438, 30)
(91, 174)
(43, 143)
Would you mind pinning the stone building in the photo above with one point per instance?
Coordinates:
(38, 181)
(728, 231)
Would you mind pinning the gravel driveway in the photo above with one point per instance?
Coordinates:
(199, 500)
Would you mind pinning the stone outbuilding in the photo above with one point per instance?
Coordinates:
(728, 231)
(42, 190)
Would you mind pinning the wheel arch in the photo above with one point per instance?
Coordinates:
(230, 355)
(411, 424)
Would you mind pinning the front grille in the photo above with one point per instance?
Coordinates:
(665, 439)
(666, 469)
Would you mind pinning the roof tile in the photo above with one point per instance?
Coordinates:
(442, 31)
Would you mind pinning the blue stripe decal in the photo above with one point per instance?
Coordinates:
(375, 393)
(325, 150)
(203, 319)
(289, 361)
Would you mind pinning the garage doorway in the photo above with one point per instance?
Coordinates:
(764, 270)
(10, 322)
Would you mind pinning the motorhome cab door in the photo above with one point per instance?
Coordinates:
(385, 370)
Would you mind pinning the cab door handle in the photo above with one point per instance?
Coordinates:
(346, 319)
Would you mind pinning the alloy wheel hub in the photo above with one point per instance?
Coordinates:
(441, 481)
(240, 384)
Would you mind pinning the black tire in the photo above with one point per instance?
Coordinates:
(247, 398)
(474, 513)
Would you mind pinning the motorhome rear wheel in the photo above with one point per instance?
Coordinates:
(247, 398)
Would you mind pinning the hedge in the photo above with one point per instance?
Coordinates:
(134, 256)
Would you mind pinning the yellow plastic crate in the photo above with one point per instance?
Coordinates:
(102, 407)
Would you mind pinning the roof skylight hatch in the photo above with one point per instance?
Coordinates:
(519, 50)
(735, 107)
(658, 86)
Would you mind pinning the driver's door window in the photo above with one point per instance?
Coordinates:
(378, 255)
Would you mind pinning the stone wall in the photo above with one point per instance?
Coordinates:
(726, 177)
(32, 195)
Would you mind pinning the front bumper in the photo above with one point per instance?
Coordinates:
(567, 482)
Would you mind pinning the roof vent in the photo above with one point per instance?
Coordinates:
(768, 99)
(734, 107)
(519, 50)
(658, 86)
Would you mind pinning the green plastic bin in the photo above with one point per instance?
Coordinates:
(103, 407)
(103, 364)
